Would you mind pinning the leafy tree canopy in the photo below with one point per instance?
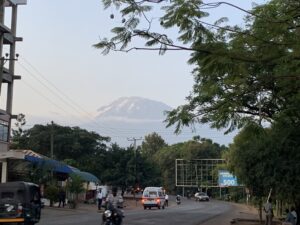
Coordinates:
(151, 144)
(242, 73)
(268, 158)
(68, 142)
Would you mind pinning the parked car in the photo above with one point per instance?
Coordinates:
(201, 196)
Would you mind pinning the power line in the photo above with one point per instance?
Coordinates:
(116, 131)
(63, 100)
(113, 130)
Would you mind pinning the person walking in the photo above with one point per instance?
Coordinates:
(166, 199)
(99, 199)
(268, 208)
(61, 198)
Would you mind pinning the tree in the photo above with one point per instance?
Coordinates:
(69, 142)
(165, 158)
(285, 152)
(268, 158)
(203, 149)
(151, 144)
(78, 146)
(51, 192)
(247, 159)
(18, 138)
(75, 187)
(242, 74)
(127, 167)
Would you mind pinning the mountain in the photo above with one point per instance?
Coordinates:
(133, 109)
(129, 117)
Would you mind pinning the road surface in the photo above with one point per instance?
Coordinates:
(187, 213)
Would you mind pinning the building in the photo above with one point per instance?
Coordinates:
(8, 56)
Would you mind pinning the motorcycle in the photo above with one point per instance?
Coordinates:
(112, 216)
(178, 200)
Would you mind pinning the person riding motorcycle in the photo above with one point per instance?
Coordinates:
(178, 199)
(113, 203)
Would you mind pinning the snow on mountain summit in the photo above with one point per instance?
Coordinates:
(133, 108)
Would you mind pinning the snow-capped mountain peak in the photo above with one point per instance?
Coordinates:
(133, 108)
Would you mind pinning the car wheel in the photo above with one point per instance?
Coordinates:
(158, 207)
(145, 207)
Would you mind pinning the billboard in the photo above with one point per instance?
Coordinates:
(227, 179)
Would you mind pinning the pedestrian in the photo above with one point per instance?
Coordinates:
(289, 219)
(166, 199)
(294, 213)
(268, 208)
(99, 199)
(61, 197)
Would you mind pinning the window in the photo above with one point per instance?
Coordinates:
(7, 195)
(152, 194)
(3, 130)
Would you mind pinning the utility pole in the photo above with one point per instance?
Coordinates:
(51, 140)
(134, 148)
(135, 170)
(51, 147)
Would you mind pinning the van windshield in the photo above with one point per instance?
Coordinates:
(150, 194)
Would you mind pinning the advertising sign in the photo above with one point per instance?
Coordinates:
(227, 179)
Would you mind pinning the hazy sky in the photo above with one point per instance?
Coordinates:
(58, 37)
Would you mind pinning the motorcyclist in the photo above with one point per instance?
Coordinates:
(114, 202)
(178, 199)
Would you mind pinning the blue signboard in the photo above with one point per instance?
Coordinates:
(227, 179)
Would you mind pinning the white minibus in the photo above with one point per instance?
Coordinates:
(153, 197)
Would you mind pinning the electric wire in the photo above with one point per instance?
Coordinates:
(63, 100)
(163, 133)
(40, 74)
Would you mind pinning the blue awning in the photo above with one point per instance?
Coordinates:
(50, 164)
(87, 176)
(60, 167)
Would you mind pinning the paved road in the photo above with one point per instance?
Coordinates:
(188, 213)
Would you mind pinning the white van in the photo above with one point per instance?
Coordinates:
(153, 197)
